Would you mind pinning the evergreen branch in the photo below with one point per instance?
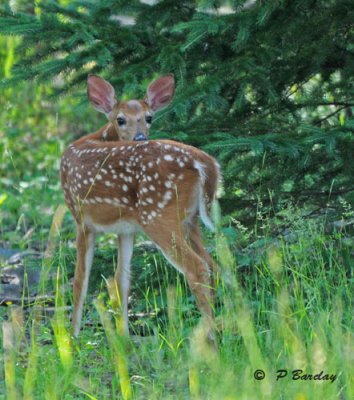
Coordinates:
(18, 26)
(319, 122)
(320, 103)
(325, 193)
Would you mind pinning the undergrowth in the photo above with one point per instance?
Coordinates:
(282, 311)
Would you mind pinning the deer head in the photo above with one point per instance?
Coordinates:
(131, 119)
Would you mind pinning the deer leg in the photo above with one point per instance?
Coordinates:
(178, 252)
(195, 238)
(122, 276)
(85, 241)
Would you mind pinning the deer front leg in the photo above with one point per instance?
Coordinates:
(85, 241)
(125, 246)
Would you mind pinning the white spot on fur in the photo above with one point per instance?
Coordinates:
(168, 195)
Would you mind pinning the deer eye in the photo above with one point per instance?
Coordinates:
(121, 121)
(148, 119)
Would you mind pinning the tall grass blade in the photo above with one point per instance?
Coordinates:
(115, 342)
(32, 366)
(9, 360)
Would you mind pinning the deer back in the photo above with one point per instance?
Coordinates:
(139, 182)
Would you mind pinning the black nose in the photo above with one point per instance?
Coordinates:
(140, 136)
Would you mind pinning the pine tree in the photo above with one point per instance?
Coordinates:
(266, 87)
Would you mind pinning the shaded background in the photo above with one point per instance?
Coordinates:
(265, 87)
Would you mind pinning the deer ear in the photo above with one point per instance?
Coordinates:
(101, 94)
(160, 92)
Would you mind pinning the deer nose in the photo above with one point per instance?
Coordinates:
(140, 136)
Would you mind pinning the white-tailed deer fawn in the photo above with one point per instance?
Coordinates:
(115, 180)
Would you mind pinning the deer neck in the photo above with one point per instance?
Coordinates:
(107, 133)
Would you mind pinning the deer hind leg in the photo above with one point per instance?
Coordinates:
(122, 276)
(180, 254)
(85, 241)
(194, 236)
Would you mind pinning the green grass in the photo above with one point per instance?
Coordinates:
(287, 309)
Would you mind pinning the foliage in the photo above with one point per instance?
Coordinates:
(33, 135)
(266, 87)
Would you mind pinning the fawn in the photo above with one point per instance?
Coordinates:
(116, 180)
